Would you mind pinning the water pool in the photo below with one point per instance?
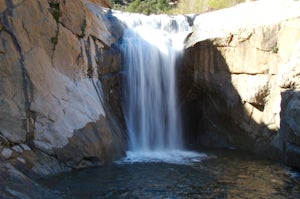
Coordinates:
(218, 174)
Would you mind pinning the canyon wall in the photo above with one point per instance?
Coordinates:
(240, 80)
(59, 86)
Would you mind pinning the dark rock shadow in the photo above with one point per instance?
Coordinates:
(290, 127)
(207, 97)
(212, 109)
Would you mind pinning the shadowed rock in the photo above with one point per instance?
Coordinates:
(239, 79)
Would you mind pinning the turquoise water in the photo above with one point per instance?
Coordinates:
(218, 174)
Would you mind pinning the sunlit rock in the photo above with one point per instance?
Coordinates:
(50, 55)
(242, 74)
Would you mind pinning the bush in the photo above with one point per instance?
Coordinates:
(54, 9)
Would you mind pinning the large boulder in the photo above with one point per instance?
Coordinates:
(239, 81)
(58, 68)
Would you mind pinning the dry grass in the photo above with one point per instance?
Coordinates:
(200, 6)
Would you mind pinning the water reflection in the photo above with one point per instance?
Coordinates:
(224, 174)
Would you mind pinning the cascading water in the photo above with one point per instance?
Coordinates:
(150, 47)
(150, 99)
(151, 110)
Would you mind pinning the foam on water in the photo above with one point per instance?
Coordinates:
(168, 156)
(294, 174)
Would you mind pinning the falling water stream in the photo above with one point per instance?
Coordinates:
(157, 165)
(150, 47)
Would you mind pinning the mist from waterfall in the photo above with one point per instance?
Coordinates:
(151, 46)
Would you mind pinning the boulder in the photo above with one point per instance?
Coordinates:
(73, 16)
(6, 153)
(56, 63)
(67, 57)
(12, 91)
(241, 75)
(14, 184)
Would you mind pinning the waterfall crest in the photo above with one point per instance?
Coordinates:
(150, 47)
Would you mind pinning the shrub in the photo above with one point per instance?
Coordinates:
(54, 40)
(83, 27)
(54, 9)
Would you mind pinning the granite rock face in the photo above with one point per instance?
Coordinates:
(58, 68)
(60, 85)
(240, 79)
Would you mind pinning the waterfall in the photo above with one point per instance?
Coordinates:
(150, 47)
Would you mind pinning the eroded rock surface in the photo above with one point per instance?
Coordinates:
(60, 87)
(240, 79)
(58, 71)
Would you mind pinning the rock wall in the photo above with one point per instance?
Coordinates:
(240, 80)
(59, 86)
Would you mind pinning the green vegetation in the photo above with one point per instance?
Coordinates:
(54, 9)
(83, 27)
(148, 7)
(169, 7)
(54, 40)
(218, 4)
(275, 49)
(188, 7)
(201, 6)
(142, 6)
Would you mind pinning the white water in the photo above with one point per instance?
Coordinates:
(150, 47)
(168, 156)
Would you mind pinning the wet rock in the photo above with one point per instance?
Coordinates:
(293, 155)
(25, 147)
(292, 115)
(101, 141)
(14, 184)
(17, 148)
(6, 153)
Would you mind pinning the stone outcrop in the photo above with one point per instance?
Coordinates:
(240, 79)
(59, 86)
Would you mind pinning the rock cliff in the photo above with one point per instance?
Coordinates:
(240, 79)
(59, 86)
